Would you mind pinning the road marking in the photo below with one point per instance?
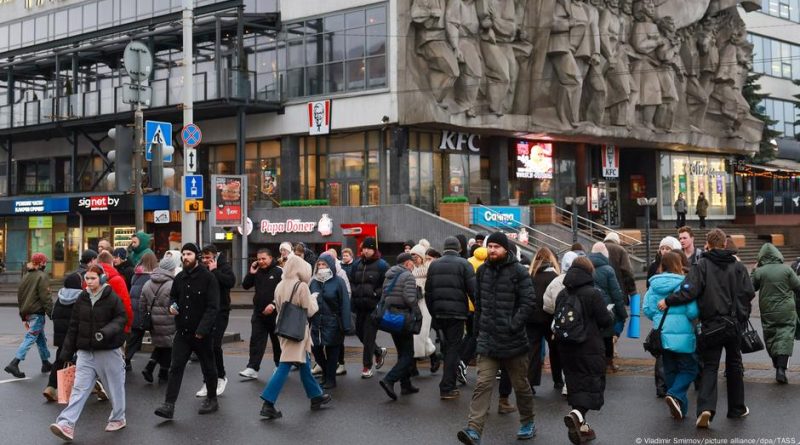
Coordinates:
(14, 380)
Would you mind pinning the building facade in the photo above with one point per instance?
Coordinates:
(499, 101)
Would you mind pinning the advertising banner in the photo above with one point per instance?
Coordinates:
(497, 217)
(534, 160)
(227, 199)
(610, 161)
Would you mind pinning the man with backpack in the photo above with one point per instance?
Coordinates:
(722, 288)
(504, 303)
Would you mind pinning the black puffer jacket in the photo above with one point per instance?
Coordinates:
(226, 279)
(137, 284)
(541, 279)
(450, 282)
(265, 282)
(197, 293)
(107, 316)
(505, 303)
(720, 284)
(585, 363)
(62, 308)
(127, 271)
(366, 279)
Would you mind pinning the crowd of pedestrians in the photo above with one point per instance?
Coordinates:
(477, 303)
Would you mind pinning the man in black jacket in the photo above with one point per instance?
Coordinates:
(450, 284)
(194, 301)
(226, 279)
(366, 281)
(123, 265)
(723, 290)
(265, 276)
(504, 304)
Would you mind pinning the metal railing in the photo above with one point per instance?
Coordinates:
(596, 231)
(537, 238)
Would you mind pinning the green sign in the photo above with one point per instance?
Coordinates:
(40, 222)
(682, 183)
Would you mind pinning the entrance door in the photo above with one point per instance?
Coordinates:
(344, 193)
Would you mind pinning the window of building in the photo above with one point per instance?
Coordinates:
(783, 112)
(785, 9)
(336, 53)
(775, 58)
(691, 174)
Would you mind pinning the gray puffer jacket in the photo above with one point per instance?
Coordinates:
(404, 294)
(156, 293)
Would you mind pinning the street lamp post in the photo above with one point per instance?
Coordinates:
(575, 201)
(647, 203)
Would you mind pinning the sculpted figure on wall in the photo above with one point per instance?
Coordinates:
(624, 67)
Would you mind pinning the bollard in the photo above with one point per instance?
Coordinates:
(633, 324)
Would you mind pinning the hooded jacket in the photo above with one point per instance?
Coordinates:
(450, 285)
(776, 283)
(720, 285)
(33, 294)
(226, 280)
(127, 271)
(584, 363)
(606, 281)
(677, 334)
(329, 324)
(155, 298)
(478, 257)
(620, 261)
(541, 280)
(504, 304)
(135, 255)
(117, 283)
(265, 281)
(366, 279)
(404, 293)
(106, 316)
(196, 292)
(295, 271)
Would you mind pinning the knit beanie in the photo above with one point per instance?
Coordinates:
(670, 241)
(369, 243)
(191, 247)
(612, 236)
(39, 259)
(452, 243)
(498, 238)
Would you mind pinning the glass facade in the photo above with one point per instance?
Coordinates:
(785, 9)
(782, 111)
(766, 191)
(775, 58)
(691, 174)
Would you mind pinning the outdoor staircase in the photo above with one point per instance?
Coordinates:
(747, 254)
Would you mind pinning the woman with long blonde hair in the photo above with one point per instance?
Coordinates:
(544, 269)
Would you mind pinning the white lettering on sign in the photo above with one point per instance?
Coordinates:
(498, 217)
(35, 206)
(98, 203)
(700, 168)
(455, 140)
(290, 226)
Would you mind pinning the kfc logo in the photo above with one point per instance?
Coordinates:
(319, 117)
(98, 203)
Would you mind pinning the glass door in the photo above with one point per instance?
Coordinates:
(344, 193)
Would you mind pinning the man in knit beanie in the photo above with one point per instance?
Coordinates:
(33, 296)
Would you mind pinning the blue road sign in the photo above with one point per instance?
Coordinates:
(193, 186)
(155, 133)
(191, 135)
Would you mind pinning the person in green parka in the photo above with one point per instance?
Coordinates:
(140, 245)
(776, 282)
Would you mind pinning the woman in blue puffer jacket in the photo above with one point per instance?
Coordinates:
(332, 321)
(677, 334)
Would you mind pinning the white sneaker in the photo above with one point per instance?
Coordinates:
(115, 425)
(340, 370)
(203, 391)
(564, 390)
(366, 373)
(703, 420)
(249, 374)
(316, 370)
(221, 384)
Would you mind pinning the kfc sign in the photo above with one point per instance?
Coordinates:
(319, 117)
(99, 203)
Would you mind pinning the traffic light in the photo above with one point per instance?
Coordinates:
(122, 157)
(158, 173)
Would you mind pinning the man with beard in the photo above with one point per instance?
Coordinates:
(194, 301)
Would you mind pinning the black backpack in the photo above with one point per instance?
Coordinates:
(569, 321)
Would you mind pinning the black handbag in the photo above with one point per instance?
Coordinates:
(652, 343)
(751, 342)
(717, 331)
(292, 319)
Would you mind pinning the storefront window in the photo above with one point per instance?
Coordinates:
(691, 175)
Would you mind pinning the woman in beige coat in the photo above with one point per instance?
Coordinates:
(296, 275)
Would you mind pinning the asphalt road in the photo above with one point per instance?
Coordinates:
(361, 413)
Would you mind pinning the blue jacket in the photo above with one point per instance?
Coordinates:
(332, 321)
(677, 335)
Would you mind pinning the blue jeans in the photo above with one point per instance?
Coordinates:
(680, 370)
(35, 334)
(275, 385)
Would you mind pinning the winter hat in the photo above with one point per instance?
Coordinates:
(671, 242)
(612, 236)
(452, 243)
(369, 243)
(566, 262)
(408, 244)
(498, 238)
(480, 236)
(481, 253)
(425, 243)
(121, 253)
(403, 257)
(169, 262)
(418, 250)
(39, 259)
(287, 246)
(191, 247)
(600, 248)
(87, 256)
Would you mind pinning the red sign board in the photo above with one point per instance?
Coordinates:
(228, 191)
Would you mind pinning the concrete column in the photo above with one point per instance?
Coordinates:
(498, 170)
(398, 167)
(290, 167)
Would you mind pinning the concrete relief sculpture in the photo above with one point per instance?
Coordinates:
(661, 71)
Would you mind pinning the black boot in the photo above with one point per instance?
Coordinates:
(13, 369)
(163, 375)
(46, 367)
(268, 411)
(167, 410)
(436, 362)
(208, 406)
(781, 363)
(317, 402)
(147, 372)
